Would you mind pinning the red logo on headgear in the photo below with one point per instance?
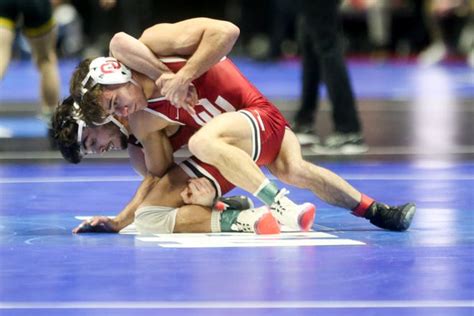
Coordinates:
(109, 66)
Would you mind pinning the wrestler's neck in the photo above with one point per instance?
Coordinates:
(149, 88)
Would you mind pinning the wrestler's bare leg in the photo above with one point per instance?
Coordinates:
(196, 218)
(290, 168)
(189, 218)
(226, 143)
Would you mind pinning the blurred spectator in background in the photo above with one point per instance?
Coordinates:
(282, 43)
(39, 27)
(451, 27)
(384, 28)
(70, 35)
(102, 18)
(378, 16)
(323, 61)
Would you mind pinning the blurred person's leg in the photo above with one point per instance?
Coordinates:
(7, 35)
(69, 34)
(466, 39)
(305, 117)
(379, 24)
(44, 56)
(283, 17)
(445, 22)
(324, 29)
(437, 50)
(8, 15)
(40, 29)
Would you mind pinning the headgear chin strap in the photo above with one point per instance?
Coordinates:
(112, 119)
(81, 124)
(106, 71)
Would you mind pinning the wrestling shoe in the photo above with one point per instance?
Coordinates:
(396, 218)
(342, 143)
(238, 202)
(256, 220)
(294, 216)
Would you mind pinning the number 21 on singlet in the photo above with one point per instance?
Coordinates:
(211, 110)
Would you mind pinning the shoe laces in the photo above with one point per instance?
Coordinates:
(280, 203)
(242, 226)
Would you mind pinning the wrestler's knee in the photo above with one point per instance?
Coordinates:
(202, 146)
(155, 219)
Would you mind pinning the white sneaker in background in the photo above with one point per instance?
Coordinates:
(305, 133)
(433, 54)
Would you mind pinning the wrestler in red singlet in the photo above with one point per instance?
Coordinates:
(224, 89)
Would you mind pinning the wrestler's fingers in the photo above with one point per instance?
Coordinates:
(194, 187)
(189, 109)
(81, 227)
(78, 228)
(95, 221)
(190, 101)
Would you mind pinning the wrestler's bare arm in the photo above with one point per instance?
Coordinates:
(150, 131)
(204, 40)
(137, 159)
(136, 55)
(125, 217)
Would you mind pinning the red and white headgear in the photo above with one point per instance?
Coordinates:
(106, 71)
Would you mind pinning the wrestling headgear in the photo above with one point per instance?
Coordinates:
(106, 71)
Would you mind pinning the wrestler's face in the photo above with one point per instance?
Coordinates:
(123, 99)
(100, 139)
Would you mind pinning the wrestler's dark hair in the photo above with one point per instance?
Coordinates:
(64, 128)
(89, 102)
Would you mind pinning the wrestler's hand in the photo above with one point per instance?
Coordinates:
(199, 191)
(179, 91)
(97, 224)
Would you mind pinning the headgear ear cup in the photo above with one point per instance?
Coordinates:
(106, 71)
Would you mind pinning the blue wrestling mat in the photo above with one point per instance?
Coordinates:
(345, 267)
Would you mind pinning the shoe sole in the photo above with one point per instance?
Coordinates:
(408, 212)
(267, 225)
(306, 217)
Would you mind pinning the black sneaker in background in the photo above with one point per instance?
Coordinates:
(306, 134)
(342, 144)
(396, 218)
